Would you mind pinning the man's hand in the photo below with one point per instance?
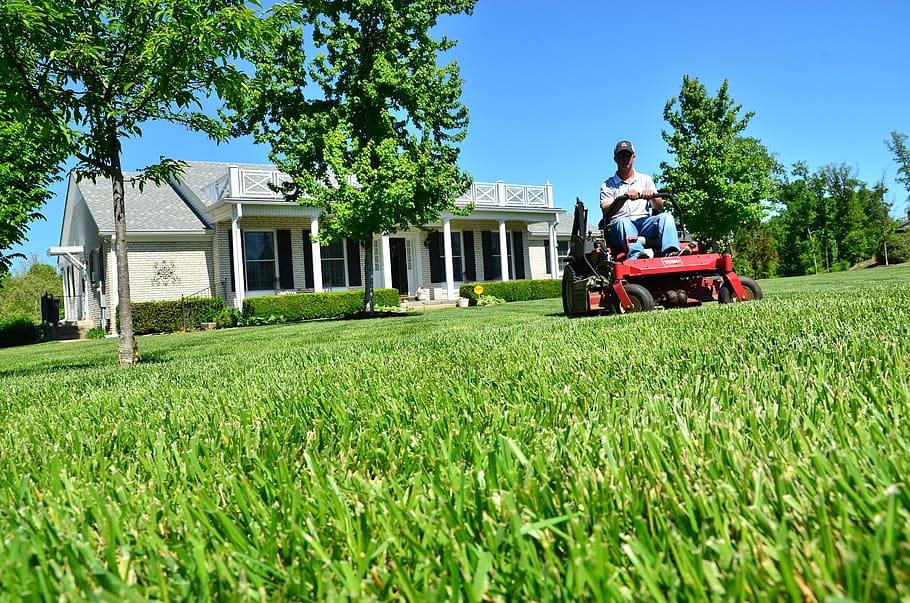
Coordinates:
(645, 194)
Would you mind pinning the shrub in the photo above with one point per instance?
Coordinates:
(309, 306)
(522, 290)
(18, 330)
(95, 333)
(228, 317)
(173, 315)
(898, 249)
(489, 300)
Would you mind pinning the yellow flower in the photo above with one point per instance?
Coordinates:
(478, 289)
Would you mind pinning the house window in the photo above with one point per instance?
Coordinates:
(457, 258)
(496, 254)
(259, 249)
(333, 264)
(562, 250)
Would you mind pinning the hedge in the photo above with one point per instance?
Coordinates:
(18, 330)
(308, 306)
(522, 290)
(173, 315)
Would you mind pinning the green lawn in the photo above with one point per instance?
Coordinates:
(745, 452)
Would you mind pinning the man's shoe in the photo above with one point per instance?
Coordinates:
(645, 254)
(685, 251)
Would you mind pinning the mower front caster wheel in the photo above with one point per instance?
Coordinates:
(641, 298)
(753, 291)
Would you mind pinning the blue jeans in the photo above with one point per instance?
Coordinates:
(661, 227)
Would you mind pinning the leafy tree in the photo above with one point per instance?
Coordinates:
(98, 69)
(859, 213)
(721, 178)
(31, 159)
(755, 250)
(830, 220)
(21, 290)
(367, 129)
(798, 225)
(898, 146)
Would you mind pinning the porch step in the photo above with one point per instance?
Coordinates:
(430, 304)
(68, 331)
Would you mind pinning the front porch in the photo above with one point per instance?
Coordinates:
(491, 243)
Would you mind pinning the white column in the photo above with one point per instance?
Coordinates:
(386, 260)
(86, 286)
(548, 194)
(111, 294)
(114, 294)
(234, 172)
(501, 193)
(504, 251)
(554, 252)
(317, 256)
(447, 251)
(237, 254)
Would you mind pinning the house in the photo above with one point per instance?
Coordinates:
(219, 229)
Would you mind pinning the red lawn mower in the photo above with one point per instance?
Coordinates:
(598, 279)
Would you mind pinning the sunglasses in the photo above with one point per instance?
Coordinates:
(623, 155)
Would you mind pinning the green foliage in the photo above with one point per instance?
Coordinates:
(898, 249)
(521, 290)
(898, 146)
(21, 290)
(307, 306)
(722, 178)
(368, 129)
(96, 71)
(503, 455)
(17, 330)
(828, 219)
(489, 300)
(174, 315)
(755, 251)
(229, 317)
(31, 156)
(95, 333)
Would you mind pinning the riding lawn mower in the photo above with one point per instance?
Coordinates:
(598, 278)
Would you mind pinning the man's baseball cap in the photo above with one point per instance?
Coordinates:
(623, 146)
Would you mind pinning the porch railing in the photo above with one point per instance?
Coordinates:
(500, 194)
(258, 184)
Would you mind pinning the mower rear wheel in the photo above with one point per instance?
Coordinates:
(641, 298)
(574, 294)
(726, 294)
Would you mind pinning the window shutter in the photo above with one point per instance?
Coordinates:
(437, 270)
(546, 252)
(230, 246)
(467, 248)
(308, 261)
(518, 254)
(486, 243)
(285, 263)
(354, 264)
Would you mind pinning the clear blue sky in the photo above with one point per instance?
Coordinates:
(551, 86)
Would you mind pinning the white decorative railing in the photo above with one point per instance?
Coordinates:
(257, 184)
(500, 194)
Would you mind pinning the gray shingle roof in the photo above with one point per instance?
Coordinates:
(156, 209)
(563, 226)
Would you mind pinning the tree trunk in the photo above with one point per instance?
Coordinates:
(368, 305)
(127, 351)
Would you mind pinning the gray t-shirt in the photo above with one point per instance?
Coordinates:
(615, 186)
